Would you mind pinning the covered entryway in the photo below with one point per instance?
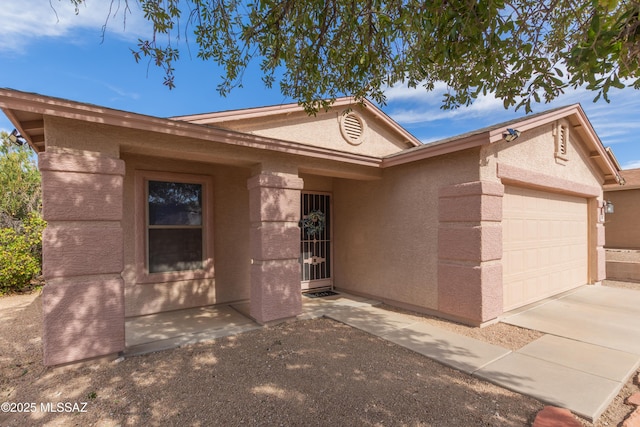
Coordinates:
(315, 240)
(545, 245)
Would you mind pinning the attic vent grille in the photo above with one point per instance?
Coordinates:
(562, 141)
(353, 128)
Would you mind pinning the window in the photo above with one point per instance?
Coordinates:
(174, 239)
(173, 232)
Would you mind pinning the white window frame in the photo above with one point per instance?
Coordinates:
(143, 275)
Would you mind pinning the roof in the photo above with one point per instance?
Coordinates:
(491, 134)
(631, 178)
(27, 111)
(287, 109)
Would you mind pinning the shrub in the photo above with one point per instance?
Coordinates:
(20, 254)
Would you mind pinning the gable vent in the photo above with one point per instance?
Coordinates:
(353, 128)
(561, 131)
(562, 141)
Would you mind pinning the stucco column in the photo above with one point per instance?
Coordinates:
(470, 251)
(597, 257)
(83, 303)
(274, 204)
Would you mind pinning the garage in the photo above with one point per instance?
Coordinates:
(545, 245)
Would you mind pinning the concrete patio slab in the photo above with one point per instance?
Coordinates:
(192, 338)
(454, 350)
(161, 331)
(604, 362)
(371, 319)
(583, 393)
(457, 351)
(603, 316)
(313, 308)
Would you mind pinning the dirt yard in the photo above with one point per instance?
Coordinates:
(316, 372)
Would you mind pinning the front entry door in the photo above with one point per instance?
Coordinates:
(315, 240)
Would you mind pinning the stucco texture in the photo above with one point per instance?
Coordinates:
(386, 231)
(229, 228)
(82, 245)
(535, 151)
(323, 130)
(622, 229)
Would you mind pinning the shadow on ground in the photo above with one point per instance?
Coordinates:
(312, 372)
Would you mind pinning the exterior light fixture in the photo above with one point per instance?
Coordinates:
(511, 135)
(608, 207)
(605, 208)
(16, 138)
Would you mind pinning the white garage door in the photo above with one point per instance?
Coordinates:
(545, 248)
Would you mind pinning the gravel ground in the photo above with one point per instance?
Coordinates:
(316, 372)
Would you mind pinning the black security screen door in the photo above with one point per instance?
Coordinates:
(315, 240)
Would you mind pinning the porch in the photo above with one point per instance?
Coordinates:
(171, 329)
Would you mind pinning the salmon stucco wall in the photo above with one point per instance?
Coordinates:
(317, 183)
(470, 251)
(623, 231)
(228, 226)
(323, 130)
(386, 231)
(533, 156)
(274, 203)
(83, 299)
(535, 151)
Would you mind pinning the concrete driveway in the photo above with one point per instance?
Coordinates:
(591, 349)
(600, 315)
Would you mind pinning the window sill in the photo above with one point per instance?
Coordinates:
(143, 277)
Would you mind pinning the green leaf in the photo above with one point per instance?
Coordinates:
(318, 50)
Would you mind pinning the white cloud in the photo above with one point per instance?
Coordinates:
(25, 21)
(633, 164)
(613, 129)
(614, 122)
(418, 105)
(402, 92)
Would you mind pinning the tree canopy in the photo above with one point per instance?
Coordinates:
(522, 51)
(19, 181)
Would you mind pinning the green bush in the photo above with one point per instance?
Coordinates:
(20, 254)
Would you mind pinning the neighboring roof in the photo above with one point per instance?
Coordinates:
(287, 109)
(631, 178)
(491, 134)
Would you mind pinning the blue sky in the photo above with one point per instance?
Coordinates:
(59, 54)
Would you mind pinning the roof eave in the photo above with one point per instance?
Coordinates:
(597, 151)
(435, 149)
(285, 109)
(12, 101)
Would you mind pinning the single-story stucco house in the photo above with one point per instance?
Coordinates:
(149, 214)
(622, 228)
